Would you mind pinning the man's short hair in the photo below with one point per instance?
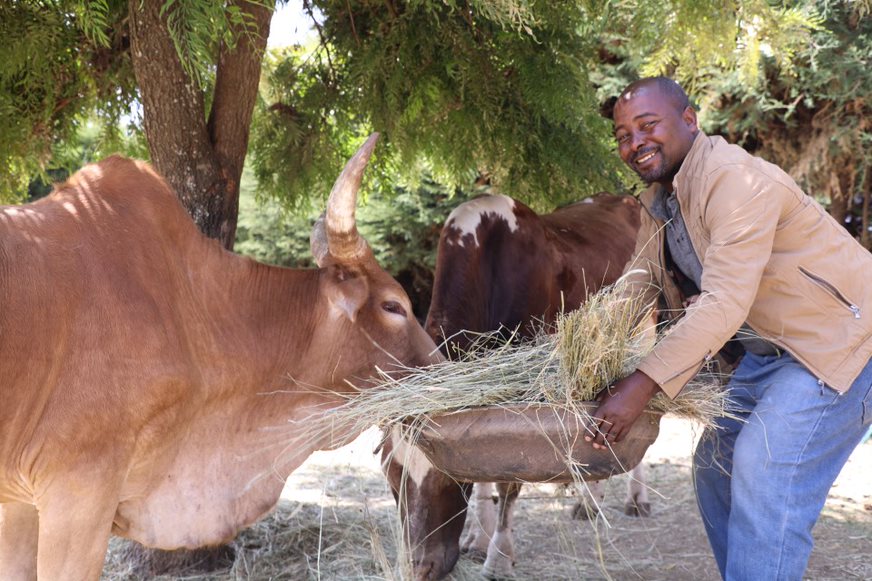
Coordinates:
(664, 85)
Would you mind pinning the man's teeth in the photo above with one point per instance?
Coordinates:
(645, 157)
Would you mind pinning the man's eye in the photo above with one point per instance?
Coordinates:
(622, 138)
(649, 124)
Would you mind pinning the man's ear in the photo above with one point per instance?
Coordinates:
(347, 291)
(689, 118)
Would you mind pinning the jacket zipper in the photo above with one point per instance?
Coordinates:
(661, 259)
(836, 293)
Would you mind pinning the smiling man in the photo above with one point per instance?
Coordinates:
(729, 245)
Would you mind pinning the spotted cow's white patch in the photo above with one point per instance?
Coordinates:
(415, 464)
(466, 217)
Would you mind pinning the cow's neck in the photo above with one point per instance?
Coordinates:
(259, 388)
(266, 344)
(260, 319)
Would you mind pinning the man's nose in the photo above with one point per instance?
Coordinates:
(636, 141)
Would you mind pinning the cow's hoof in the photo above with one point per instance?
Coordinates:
(502, 569)
(475, 554)
(633, 508)
(475, 543)
(583, 511)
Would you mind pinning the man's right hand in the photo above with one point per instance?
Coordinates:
(620, 406)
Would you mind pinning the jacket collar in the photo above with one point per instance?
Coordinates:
(693, 161)
(702, 145)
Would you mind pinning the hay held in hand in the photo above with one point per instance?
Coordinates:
(593, 346)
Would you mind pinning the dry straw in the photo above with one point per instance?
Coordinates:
(592, 347)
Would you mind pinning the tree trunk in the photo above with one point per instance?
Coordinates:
(202, 160)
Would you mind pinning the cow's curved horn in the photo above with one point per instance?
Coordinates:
(343, 240)
(318, 241)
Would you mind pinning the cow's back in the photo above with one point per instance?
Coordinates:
(501, 264)
(596, 238)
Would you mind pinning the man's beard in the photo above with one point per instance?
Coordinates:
(664, 171)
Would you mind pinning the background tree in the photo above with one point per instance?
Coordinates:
(506, 89)
(191, 65)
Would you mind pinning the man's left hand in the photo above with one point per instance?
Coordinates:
(620, 406)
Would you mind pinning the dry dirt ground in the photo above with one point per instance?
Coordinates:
(337, 517)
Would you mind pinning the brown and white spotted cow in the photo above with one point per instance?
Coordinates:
(152, 382)
(499, 265)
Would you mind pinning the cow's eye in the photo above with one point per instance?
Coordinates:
(394, 307)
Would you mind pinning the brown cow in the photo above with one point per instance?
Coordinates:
(152, 381)
(501, 265)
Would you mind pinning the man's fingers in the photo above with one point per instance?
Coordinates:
(616, 435)
(595, 428)
(605, 434)
(598, 433)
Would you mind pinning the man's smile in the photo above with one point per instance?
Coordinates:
(645, 157)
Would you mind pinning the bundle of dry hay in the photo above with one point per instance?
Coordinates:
(592, 347)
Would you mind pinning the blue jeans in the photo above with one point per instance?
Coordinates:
(761, 483)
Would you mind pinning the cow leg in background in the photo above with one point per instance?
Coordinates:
(500, 561)
(591, 497)
(482, 521)
(433, 507)
(635, 504)
(19, 530)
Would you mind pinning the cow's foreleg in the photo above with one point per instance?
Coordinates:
(72, 547)
(75, 521)
(501, 552)
(19, 530)
(482, 521)
(590, 499)
(433, 507)
(637, 503)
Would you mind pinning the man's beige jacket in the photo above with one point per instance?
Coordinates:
(771, 256)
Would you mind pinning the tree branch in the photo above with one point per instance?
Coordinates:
(308, 7)
(351, 18)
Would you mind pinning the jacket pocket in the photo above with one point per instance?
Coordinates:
(831, 290)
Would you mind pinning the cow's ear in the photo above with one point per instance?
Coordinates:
(347, 291)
